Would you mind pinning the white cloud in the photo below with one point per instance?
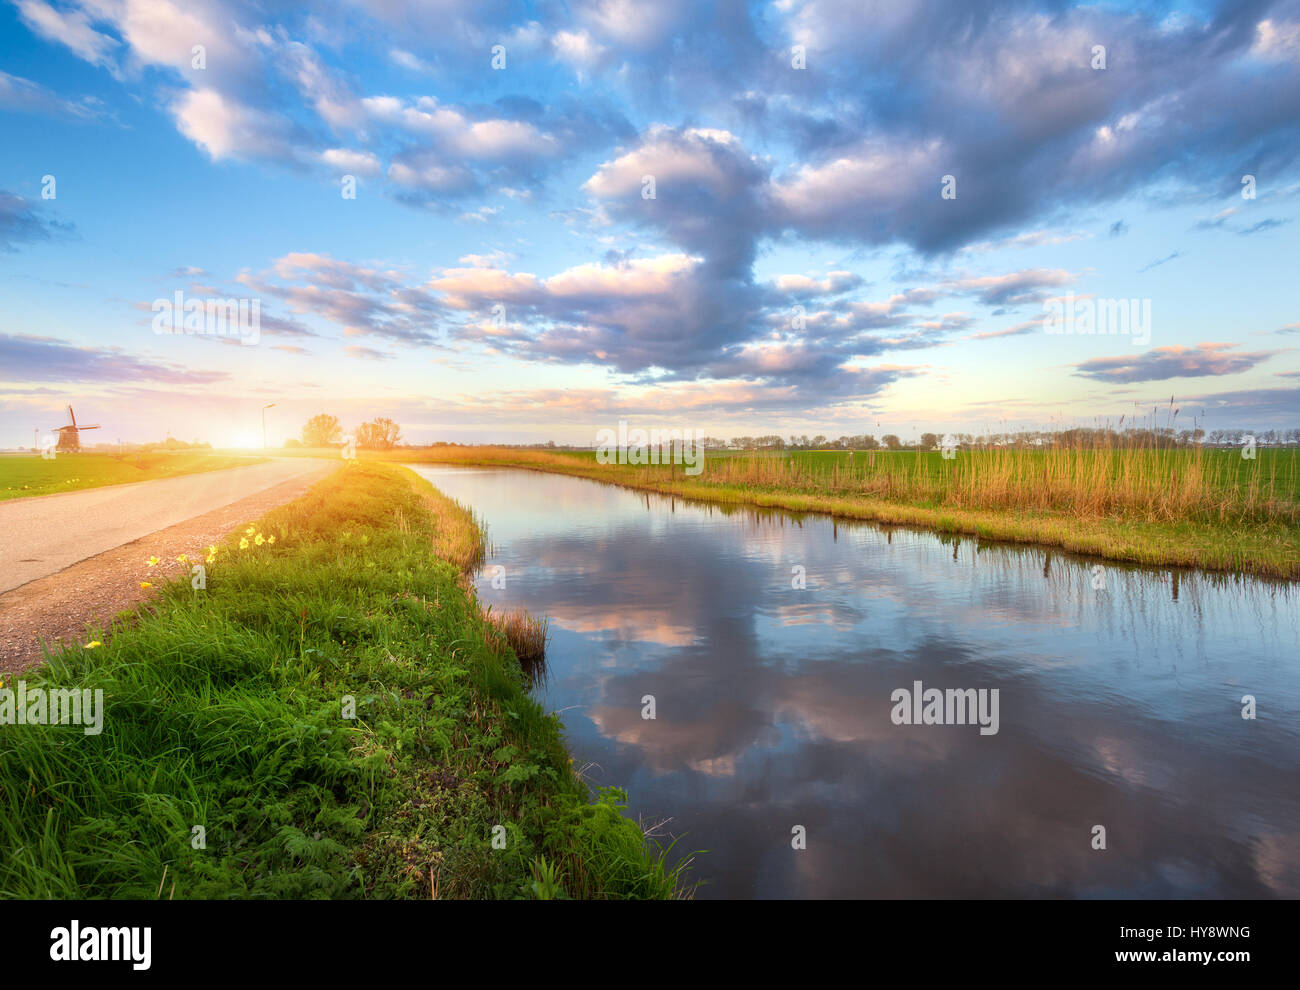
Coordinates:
(579, 49)
(351, 162)
(669, 157)
(225, 128)
(484, 140)
(71, 28)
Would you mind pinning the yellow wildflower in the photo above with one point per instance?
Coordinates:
(212, 551)
(182, 559)
(270, 539)
(243, 543)
(146, 584)
(260, 539)
(92, 644)
(250, 531)
(153, 561)
(209, 558)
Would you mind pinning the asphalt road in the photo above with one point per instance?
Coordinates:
(40, 536)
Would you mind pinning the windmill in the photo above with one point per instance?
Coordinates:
(70, 436)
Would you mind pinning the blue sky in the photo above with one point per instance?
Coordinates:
(501, 274)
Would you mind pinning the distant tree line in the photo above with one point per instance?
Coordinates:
(324, 430)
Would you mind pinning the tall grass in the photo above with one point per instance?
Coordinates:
(459, 536)
(1142, 482)
(525, 634)
(1146, 484)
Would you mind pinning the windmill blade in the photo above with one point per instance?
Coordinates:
(95, 427)
(72, 416)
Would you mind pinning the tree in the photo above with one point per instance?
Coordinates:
(929, 441)
(891, 441)
(321, 431)
(381, 433)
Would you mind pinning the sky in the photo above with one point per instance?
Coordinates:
(513, 222)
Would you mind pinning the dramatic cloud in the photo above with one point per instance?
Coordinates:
(1010, 101)
(666, 312)
(1006, 98)
(1005, 101)
(359, 300)
(1160, 363)
(47, 359)
(699, 187)
(723, 242)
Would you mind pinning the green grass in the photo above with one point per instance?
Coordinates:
(23, 475)
(224, 709)
(1201, 508)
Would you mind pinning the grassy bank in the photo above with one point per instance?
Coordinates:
(225, 711)
(24, 475)
(1203, 508)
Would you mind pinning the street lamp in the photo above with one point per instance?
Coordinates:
(264, 409)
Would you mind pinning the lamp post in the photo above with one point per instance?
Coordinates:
(264, 409)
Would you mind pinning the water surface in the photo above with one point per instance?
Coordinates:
(1119, 706)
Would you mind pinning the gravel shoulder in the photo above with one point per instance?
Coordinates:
(60, 607)
(43, 535)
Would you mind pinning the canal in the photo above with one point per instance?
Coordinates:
(770, 649)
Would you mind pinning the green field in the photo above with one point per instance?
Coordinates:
(228, 768)
(24, 475)
(1204, 508)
